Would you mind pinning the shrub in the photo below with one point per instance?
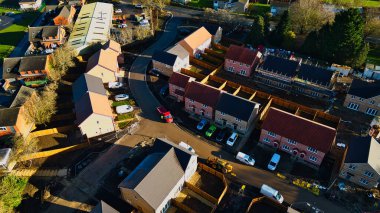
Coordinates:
(122, 125)
(125, 116)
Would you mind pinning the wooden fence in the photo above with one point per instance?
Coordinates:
(215, 54)
(220, 176)
(213, 60)
(182, 206)
(49, 153)
(219, 47)
(202, 193)
(202, 64)
(192, 74)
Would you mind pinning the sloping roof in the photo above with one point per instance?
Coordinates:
(104, 59)
(103, 207)
(197, 38)
(12, 66)
(202, 93)
(280, 65)
(315, 74)
(236, 106)
(211, 28)
(364, 89)
(8, 116)
(38, 33)
(155, 177)
(179, 51)
(164, 57)
(302, 130)
(112, 45)
(179, 79)
(22, 95)
(241, 54)
(5, 100)
(27, 1)
(65, 12)
(87, 83)
(91, 103)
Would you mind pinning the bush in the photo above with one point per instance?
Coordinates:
(11, 190)
(258, 9)
(122, 125)
(119, 103)
(125, 116)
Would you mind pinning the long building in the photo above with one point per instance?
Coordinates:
(92, 25)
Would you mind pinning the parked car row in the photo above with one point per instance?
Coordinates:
(221, 135)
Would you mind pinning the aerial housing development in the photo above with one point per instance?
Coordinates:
(189, 106)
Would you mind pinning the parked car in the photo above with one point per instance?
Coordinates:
(115, 85)
(154, 72)
(210, 130)
(139, 6)
(118, 11)
(122, 26)
(164, 90)
(271, 193)
(121, 97)
(221, 135)
(144, 22)
(274, 162)
(232, 139)
(124, 109)
(245, 158)
(201, 124)
(186, 146)
(165, 114)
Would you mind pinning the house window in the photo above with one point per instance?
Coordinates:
(352, 96)
(272, 134)
(238, 120)
(97, 122)
(313, 158)
(368, 173)
(231, 69)
(363, 181)
(371, 111)
(311, 149)
(293, 142)
(353, 106)
(243, 72)
(352, 167)
(266, 140)
(315, 94)
(191, 100)
(222, 113)
(285, 147)
(372, 102)
(241, 64)
(204, 105)
(3, 128)
(361, 99)
(247, 65)
(233, 62)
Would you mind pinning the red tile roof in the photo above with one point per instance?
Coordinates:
(202, 93)
(302, 130)
(179, 79)
(241, 54)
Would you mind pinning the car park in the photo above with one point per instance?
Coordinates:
(186, 146)
(124, 109)
(271, 193)
(210, 130)
(121, 97)
(201, 124)
(244, 158)
(274, 162)
(232, 139)
(221, 135)
(115, 85)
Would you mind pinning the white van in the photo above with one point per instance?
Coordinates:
(274, 162)
(186, 146)
(231, 140)
(271, 193)
(245, 158)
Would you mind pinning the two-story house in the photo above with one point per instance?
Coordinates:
(201, 99)
(241, 60)
(181, 53)
(46, 37)
(215, 30)
(362, 163)
(30, 4)
(305, 139)
(159, 178)
(103, 65)
(364, 96)
(94, 115)
(177, 85)
(65, 16)
(235, 112)
(166, 63)
(197, 42)
(276, 72)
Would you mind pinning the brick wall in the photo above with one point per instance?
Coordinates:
(363, 104)
(199, 109)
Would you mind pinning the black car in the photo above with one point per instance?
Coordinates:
(221, 135)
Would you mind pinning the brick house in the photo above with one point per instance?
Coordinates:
(201, 99)
(166, 63)
(303, 138)
(196, 42)
(364, 96)
(241, 60)
(235, 112)
(103, 65)
(361, 165)
(114, 48)
(65, 16)
(215, 30)
(177, 85)
(47, 36)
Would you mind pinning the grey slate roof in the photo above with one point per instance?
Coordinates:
(164, 57)
(358, 150)
(179, 51)
(11, 66)
(87, 83)
(8, 116)
(38, 33)
(315, 74)
(236, 106)
(65, 12)
(211, 28)
(364, 89)
(280, 65)
(22, 95)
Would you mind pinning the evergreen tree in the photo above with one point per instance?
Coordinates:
(257, 33)
(282, 28)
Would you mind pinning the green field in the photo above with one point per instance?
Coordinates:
(374, 56)
(358, 3)
(371, 3)
(201, 3)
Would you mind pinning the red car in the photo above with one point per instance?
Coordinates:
(165, 114)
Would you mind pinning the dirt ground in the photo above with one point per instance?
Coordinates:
(209, 183)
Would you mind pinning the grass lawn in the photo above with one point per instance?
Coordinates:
(10, 36)
(125, 116)
(201, 3)
(374, 56)
(5, 10)
(126, 102)
(122, 125)
(363, 3)
(370, 3)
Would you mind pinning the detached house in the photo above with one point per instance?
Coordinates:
(159, 177)
(215, 30)
(362, 163)
(65, 16)
(241, 60)
(103, 65)
(177, 85)
(201, 99)
(30, 4)
(364, 96)
(235, 112)
(197, 42)
(93, 111)
(46, 36)
(305, 139)
(170, 61)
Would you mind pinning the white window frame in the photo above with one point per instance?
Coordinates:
(231, 69)
(243, 72)
(372, 102)
(363, 181)
(272, 134)
(191, 100)
(204, 105)
(285, 147)
(267, 140)
(222, 113)
(361, 99)
(290, 141)
(368, 174)
(352, 167)
(313, 158)
(371, 111)
(353, 106)
(315, 94)
(3, 128)
(352, 96)
(312, 150)
(238, 120)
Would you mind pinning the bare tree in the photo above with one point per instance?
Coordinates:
(21, 147)
(308, 15)
(161, 4)
(60, 61)
(125, 36)
(372, 28)
(142, 32)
